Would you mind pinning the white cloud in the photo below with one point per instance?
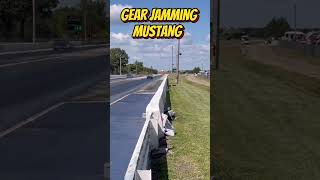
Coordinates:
(158, 53)
(119, 36)
(186, 39)
(115, 11)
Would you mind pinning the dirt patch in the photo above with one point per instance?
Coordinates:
(266, 55)
(198, 80)
(187, 168)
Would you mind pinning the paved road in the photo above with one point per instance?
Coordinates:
(67, 138)
(122, 87)
(31, 87)
(69, 143)
(126, 122)
(30, 55)
(66, 101)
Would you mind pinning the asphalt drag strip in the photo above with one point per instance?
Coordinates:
(68, 142)
(126, 123)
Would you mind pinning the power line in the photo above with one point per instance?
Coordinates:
(172, 59)
(178, 61)
(33, 22)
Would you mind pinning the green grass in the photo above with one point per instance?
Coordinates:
(190, 156)
(266, 121)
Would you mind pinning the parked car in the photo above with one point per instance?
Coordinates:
(313, 38)
(61, 44)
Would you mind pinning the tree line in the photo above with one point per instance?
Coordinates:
(134, 68)
(51, 20)
(276, 28)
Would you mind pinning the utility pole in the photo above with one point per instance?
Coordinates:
(33, 21)
(178, 61)
(128, 69)
(216, 33)
(295, 16)
(137, 68)
(120, 65)
(172, 59)
(85, 19)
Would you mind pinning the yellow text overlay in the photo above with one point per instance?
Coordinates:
(166, 31)
(158, 15)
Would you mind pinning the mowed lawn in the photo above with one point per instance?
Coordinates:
(190, 156)
(266, 121)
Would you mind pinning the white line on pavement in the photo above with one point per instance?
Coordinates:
(120, 99)
(30, 119)
(27, 51)
(126, 79)
(26, 62)
(84, 102)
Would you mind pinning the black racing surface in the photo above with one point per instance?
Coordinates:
(29, 88)
(68, 143)
(122, 87)
(126, 122)
(31, 56)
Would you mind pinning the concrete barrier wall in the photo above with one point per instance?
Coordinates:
(139, 165)
(154, 111)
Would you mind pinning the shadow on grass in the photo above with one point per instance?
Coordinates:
(159, 164)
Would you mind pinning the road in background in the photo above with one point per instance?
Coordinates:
(40, 54)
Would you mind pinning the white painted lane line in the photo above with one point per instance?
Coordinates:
(112, 81)
(30, 119)
(145, 92)
(27, 62)
(120, 99)
(84, 102)
(42, 113)
(48, 49)
(27, 51)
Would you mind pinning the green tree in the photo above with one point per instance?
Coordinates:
(277, 27)
(96, 18)
(196, 70)
(20, 11)
(59, 22)
(150, 70)
(8, 12)
(115, 54)
(139, 67)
